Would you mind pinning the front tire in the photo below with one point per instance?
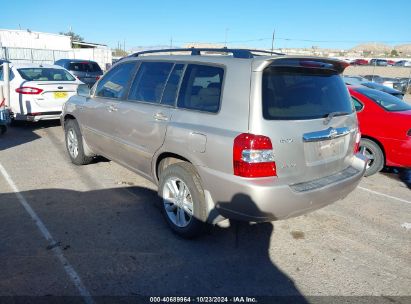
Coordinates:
(374, 154)
(74, 143)
(183, 202)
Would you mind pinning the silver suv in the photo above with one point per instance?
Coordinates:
(231, 136)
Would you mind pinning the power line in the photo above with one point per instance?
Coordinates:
(302, 40)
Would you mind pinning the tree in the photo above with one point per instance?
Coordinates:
(394, 53)
(74, 36)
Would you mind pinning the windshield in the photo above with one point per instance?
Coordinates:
(45, 74)
(387, 101)
(303, 93)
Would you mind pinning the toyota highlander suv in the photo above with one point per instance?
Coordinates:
(224, 133)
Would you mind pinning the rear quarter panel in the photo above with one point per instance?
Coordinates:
(206, 139)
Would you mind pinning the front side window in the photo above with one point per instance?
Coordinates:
(45, 74)
(201, 88)
(296, 93)
(114, 83)
(150, 81)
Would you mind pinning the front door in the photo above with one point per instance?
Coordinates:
(100, 118)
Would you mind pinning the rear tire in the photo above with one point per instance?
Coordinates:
(74, 143)
(183, 202)
(375, 155)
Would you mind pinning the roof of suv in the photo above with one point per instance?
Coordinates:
(258, 63)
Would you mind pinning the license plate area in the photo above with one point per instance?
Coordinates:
(60, 95)
(325, 150)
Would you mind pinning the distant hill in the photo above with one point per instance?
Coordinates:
(380, 48)
(373, 47)
(404, 48)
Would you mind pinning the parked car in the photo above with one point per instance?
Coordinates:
(213, 132)
(385, 124)
(358, 80)
(390, 62)
(374, 78)
(403, 63)
(359, 62)
(379, 62)
(38, 92)
(86, 70)
(405, 84)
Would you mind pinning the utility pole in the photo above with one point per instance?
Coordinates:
(272, 42)
(226, 34)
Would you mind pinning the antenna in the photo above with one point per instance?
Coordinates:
(272, 42)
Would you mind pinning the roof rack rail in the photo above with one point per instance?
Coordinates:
(237, 53)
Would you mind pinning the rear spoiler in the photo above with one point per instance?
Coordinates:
(306, 62)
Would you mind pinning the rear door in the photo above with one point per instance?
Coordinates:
(307, 112)
(146, 113)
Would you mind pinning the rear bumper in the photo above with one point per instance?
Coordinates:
(39, 116)
(261, 200)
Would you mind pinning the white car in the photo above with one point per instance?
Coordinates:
(39, 91)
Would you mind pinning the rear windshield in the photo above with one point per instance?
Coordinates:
(86, 66)
(45, 74)
(385, 100)
(291, 93)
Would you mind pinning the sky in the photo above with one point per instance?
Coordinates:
(329, 24)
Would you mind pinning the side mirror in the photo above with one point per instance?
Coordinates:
(83, 90)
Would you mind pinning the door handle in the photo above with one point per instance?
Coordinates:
(111, 108)
(160, 116)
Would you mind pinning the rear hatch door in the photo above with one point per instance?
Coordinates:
(308, 114)
(86, 71)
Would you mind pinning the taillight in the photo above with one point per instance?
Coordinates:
(97, 77)
(29, 90)
(357, 141)
(253, 156)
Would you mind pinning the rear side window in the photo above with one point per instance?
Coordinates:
(387, 101)
(114, 83)
(86, 66)
(45, 74)
(294, 93)
(357, 105)
(150, 81)
(201, 88)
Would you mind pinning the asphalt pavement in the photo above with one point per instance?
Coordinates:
(96, 230)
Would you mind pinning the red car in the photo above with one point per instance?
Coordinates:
(359, 62)
(385, 124)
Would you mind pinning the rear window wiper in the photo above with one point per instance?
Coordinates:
(331, 115)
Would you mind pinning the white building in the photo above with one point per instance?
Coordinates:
(34, 40)
(30, 46)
